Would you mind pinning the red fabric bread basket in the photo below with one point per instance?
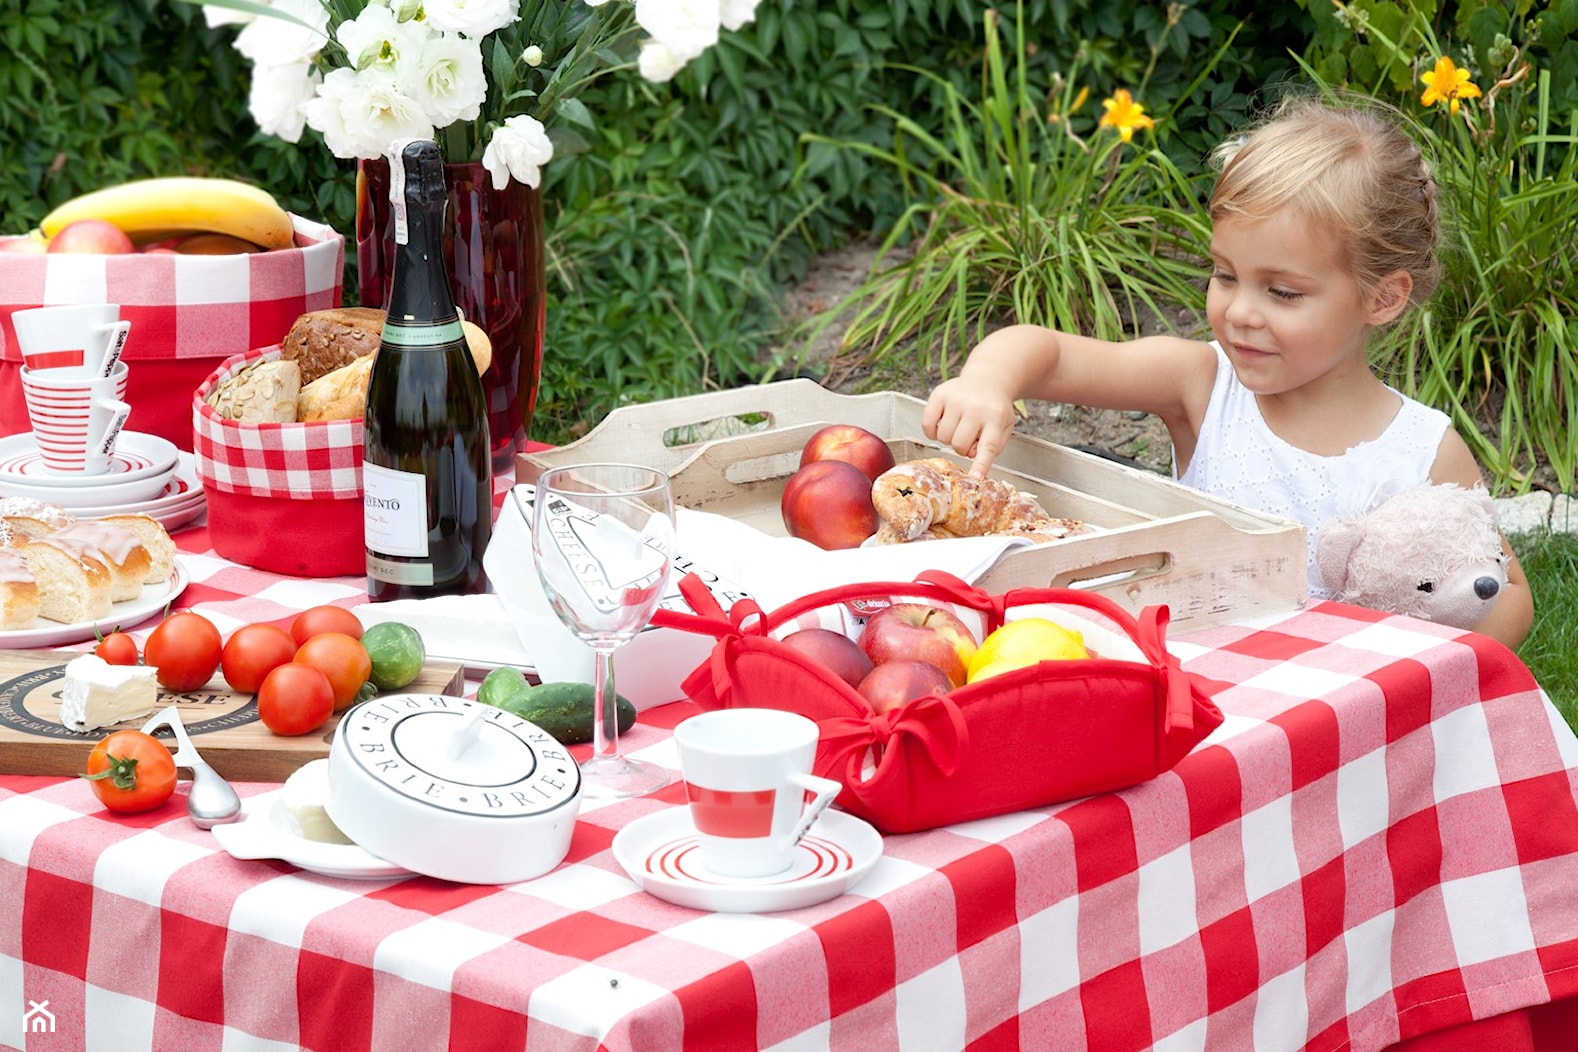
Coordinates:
(286, 498)
(1054, 731)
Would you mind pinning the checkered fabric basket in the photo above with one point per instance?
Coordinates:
(1049, 732)
(187, 314)
(282, 497)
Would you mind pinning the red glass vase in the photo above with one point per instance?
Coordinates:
(493, 247)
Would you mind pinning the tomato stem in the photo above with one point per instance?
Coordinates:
(122, 772)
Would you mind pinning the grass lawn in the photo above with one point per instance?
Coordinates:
(1550, 560)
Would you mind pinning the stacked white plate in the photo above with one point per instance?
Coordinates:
(147, 474)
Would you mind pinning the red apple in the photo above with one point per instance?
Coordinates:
(834, 651)
(922, 632)
(851, 444)
(23, 244)
(214, 245)
(895, 683)
(828, 503)
(92, 236)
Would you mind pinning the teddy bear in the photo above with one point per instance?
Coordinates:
(1433, 552)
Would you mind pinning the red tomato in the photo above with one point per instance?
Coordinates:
(319, 619)
(295, 699)
(117, 648)
(131, 771)
(341, 658)
(185, 648)
(252, 652)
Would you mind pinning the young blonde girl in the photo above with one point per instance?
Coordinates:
(1325, 226)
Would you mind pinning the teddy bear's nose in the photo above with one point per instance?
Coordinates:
(1486, 587)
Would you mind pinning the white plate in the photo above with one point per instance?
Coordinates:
(136, 456)
(182, 488)
(123, 614)
(661, 854)
(97, 494)
(265, 831)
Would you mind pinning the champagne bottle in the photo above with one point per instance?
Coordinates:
(427, 480)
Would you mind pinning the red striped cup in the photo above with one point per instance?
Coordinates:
(76, 419)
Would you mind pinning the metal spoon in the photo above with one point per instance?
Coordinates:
(211, 801)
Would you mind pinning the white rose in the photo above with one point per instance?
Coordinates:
(475, 18)
(445, 78)
(280, 42)
(685, 27)
(279, 96)
(736, 13)
(657, 63)
(518, 149)
(376, 38)
(360, 113)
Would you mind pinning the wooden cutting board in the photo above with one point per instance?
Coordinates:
(222, 724)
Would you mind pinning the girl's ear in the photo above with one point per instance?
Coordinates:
(1390, 297)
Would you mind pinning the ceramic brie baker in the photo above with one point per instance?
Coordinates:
(451, 788)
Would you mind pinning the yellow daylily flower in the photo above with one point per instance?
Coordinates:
(1446, 83)
(1124, 114)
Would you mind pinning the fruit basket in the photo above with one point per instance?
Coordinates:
(1028, 737)
(1152, 541)
(187, 312)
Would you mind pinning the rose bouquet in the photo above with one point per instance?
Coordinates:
(490, 79)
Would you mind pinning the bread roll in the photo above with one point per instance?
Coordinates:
(322, 341)
(342, 394)
(118, 549)
(72, 585)
(18, 592)
(154, 537)
(34, 518)
(262, 393)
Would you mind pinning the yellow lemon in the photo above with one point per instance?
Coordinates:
(1024, 642)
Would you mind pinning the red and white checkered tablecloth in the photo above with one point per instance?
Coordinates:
(1380, 842)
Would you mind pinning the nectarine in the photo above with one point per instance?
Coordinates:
(851, 444)
(834, 651)
(93, 236)
(828, 502)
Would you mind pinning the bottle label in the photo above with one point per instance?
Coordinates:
(423, 334)
(395, 516)
(390, 572)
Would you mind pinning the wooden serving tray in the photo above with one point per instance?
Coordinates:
(222, 724)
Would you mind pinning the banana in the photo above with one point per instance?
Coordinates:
(155, 209)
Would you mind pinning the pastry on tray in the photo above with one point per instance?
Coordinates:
(935, 498)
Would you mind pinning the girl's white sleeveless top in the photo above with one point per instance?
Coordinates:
(1238, 458)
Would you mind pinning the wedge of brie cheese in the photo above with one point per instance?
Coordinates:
(305, 793)
(97, 694)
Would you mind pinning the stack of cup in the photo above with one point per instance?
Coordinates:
(74, 383)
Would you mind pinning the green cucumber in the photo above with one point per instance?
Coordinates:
(564, 710)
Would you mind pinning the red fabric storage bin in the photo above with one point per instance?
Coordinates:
(187, 314)
(1050, 732)
(281, 497)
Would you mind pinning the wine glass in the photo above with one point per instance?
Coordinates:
(603, 542)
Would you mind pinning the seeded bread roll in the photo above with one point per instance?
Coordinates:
(262, 393)
(322, 341)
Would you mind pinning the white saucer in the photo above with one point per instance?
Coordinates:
(661, 854)
(181, 490)
(136, 456)
(265, 831)
(98, 493)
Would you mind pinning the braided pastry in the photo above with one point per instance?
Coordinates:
(934, 498)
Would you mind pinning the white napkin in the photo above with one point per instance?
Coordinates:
(775, 570)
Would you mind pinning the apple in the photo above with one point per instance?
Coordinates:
(828, 502)
(27, 243)
(851, 444)
(214, 245)
(922, 632)
(899, 682)
(92, 236)
(834, 651)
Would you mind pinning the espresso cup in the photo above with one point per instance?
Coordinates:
(752, 794)
(81, 338)
(76, 419)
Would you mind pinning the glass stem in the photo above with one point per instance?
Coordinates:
(605, 718)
